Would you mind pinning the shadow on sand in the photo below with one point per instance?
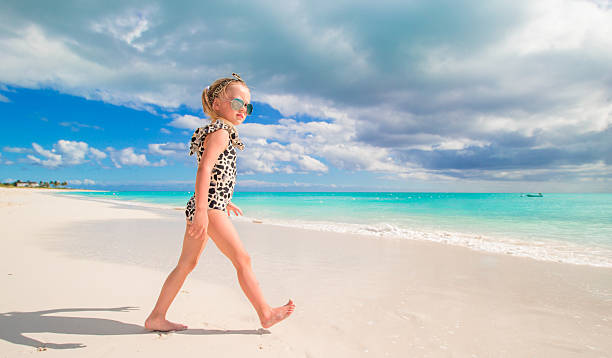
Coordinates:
(14, 326)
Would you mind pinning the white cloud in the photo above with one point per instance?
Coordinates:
(333, 142)
(64, 152)
(4, 99)
(128, 27)
(15, 149)
(424, 175)
(291, 105)
(275, 185)
(81, 182)
(291, 131)
(72, 152)
(5, 162)
(557, 26)
(45, 58)
(33, 58)
(53, 159)
(161, 163)
(188, 122)
(168, 148)
(430, 142)
(164, 131)
(127, 156)
(311, 164)
(585, 172)
(543, 75)
(356, 157)
(270, 157)
(97, 154)
(76, 126)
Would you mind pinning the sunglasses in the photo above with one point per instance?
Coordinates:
(237, 105)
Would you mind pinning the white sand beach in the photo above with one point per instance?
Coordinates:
(79, 276)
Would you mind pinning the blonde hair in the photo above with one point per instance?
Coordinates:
(216, 90)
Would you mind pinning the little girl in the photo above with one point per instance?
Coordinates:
(227, 102)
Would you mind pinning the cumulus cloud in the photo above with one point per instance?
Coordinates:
(265, 157)
(64, 152)
(72, 152)
(127, 156)
(188, 122)
(97, 154)
(292, 146)
(285, 147)
(53, 159)
(308, 163)
(168, 149)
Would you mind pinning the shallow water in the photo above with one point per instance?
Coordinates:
(574, 228)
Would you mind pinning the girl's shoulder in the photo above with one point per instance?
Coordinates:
(199, 135)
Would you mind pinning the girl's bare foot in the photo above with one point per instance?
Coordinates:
(277, 314)
(162, 324)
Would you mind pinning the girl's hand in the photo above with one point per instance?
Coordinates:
(199, 225)
(233, 208)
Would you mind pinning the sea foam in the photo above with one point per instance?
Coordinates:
(545, 250)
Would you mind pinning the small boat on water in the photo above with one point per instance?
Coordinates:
(538, 195)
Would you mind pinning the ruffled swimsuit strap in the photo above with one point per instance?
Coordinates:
(198, 137)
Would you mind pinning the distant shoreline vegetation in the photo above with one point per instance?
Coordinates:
(36, 184)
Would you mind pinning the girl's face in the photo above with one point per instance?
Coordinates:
(222, 105)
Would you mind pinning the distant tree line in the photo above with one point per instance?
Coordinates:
(39, 184)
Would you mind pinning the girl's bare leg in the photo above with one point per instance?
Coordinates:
(192, 249)
(226, 238)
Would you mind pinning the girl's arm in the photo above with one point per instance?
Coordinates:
(214, 144)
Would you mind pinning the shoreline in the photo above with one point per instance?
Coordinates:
(542, 250)
(384, 297)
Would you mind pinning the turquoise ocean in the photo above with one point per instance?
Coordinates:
(571, 228)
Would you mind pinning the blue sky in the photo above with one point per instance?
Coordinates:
(398, 95)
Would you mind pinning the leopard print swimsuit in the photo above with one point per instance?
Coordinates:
(223, 176)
